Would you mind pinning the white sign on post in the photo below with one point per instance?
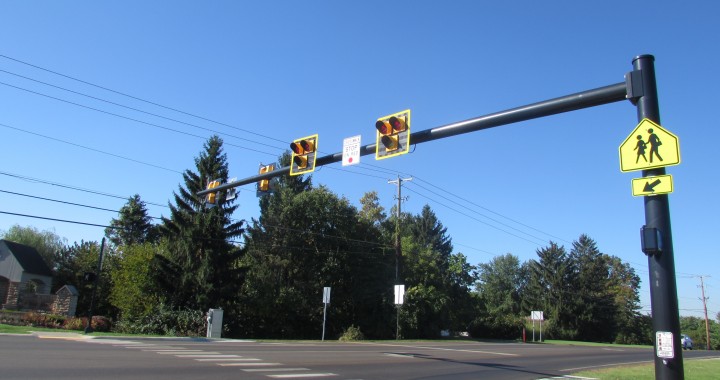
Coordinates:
(536, 315)
(399, 294)
(326, 294)
(351, 151)
(665, 347)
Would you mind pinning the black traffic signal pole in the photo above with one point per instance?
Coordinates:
(580, 100)
(640, 87)
(663, 289)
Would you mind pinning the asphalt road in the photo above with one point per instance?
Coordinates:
(67, 356)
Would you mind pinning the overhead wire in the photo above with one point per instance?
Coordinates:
(26, 178)
(133, 119)
(90, 149)
(139, 99)
(64, 202)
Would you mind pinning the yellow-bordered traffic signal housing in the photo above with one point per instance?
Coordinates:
(304, 155)
(393, 135)
(212, 198)
(263, 186)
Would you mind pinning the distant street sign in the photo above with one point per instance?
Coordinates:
(399, 294)
(649, 146)
(646, 186)
(536, 315)
(326, 294)
(351, 151)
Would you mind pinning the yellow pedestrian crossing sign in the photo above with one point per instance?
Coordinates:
(649, 146)
(654, 185)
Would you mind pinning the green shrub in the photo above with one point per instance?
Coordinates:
(165, 321)
(352, 333)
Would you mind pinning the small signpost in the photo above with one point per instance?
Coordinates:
(326, 301)
(399, 298)
(536, 316)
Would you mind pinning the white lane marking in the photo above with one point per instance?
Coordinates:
(247, 364)
(301, 375)
(216, 356)
(409, 356)
(238, 359)
(275, 369)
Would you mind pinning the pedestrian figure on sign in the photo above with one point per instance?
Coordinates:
(654, 142)
(640, 147)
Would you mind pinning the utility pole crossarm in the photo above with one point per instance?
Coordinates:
(586, 99)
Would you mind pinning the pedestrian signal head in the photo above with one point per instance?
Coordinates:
(393, 135)
(304, 154)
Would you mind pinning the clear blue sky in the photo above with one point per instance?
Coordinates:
(118, 98)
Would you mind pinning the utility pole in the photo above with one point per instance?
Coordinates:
(704, 301)
(88, 328)
(398, 249)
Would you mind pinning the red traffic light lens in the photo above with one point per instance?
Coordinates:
(398, 124)
(308, 145)
(383, 127)
(297, 148)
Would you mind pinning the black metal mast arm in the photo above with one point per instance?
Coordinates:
(580, 100)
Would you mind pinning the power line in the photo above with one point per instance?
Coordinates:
(134, 120)
(476, 219)
(90, 149)
(64, 202)
(136, 109)
(57, 220)
(491, 211)
(26, 178)
(140, 99)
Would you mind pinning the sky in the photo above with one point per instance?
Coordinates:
(103, 100)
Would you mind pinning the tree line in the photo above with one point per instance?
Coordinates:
(268, 273)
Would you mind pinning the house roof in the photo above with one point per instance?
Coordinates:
(28, 257)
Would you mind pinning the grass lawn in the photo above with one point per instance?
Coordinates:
(696, 369)
(10, 329)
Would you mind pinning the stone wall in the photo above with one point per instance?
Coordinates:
(65, 303)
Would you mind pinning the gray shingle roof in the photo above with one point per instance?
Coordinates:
(28, 257)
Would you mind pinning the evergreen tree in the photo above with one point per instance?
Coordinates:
(437, 282)
(133, 225)
(548, 290)
(203, 263)
(593, 306)
(499, 287)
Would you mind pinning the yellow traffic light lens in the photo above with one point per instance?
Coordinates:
(390, 142)
(300, 161)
